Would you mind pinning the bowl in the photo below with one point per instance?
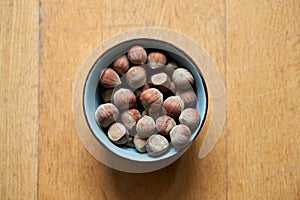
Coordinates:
(91, 99)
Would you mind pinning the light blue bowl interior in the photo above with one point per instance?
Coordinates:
(92, 101)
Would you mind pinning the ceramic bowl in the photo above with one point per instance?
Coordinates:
(91, 95)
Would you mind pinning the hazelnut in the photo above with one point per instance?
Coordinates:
(124, 98)
(188, 97)
(172, 87)
(137, 55)
(106, 114)
(130, 117)
(180, 136)
(151, 98)
(182, 78)
(106, 95)
(156, 112)
(109, 78)
(164, 124)
(140, 143)
(171, 67)
(161, 81)
(139, 91)
(190, 117)
(173, 106)
(156, 60)
(136, 77)
(145, 127)
(118, 134)
(157, 145)
(121, 65)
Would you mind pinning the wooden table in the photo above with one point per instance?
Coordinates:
(256, 46)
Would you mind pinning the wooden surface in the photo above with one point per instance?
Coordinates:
(256, 47)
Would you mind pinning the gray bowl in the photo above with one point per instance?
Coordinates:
(91, 98)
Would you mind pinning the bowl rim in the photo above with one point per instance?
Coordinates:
(202, 80)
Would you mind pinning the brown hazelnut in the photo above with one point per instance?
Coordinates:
(130, 117)
(161, 81)
(145, 127)
(182, 78)
(190, 117)
(136, 77)
(140, 143)
(156, 60)
(173, 106)
(157, 145)
(137, 55)
(118, 134)
(151, 98)
(106, 95)
(188, 97)
(121, 65)
(180, 136)
(124, 98)
(106, 114)
(164, 124)
(109, 78)
(139, 91)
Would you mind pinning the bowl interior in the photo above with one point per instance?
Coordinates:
(91, 99)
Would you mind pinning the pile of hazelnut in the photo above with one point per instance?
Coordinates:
(147, 102)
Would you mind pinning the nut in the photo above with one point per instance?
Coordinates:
(124, 98)
(130, 117)
(151, 98)
(188, 97)
(182, 78)
(161, 81)
(121, 65)
(145, 127)
(106, 95)
(164, 124)
(118, 134)
(190, 117)
(156, 112)
(157, 145)
(173, 106)
(172, 87)
(106, 114)
(140, 143)
(139, 91)
(109, 78)
(137, 55)
(171, 67)
(136, 77)
(156, 60)
(180, 136)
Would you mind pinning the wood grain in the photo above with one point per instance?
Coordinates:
(255, 46)
(263, 82)
(19, 63)
(69, 32)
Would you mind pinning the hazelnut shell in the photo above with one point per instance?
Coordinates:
(109, 78)
(106, 114)
(137, 55)
(173, 106)
(190, 117)
(180, 136)
(124, 98)
(145, 127)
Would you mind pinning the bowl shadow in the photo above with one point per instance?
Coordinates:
(172, 182)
